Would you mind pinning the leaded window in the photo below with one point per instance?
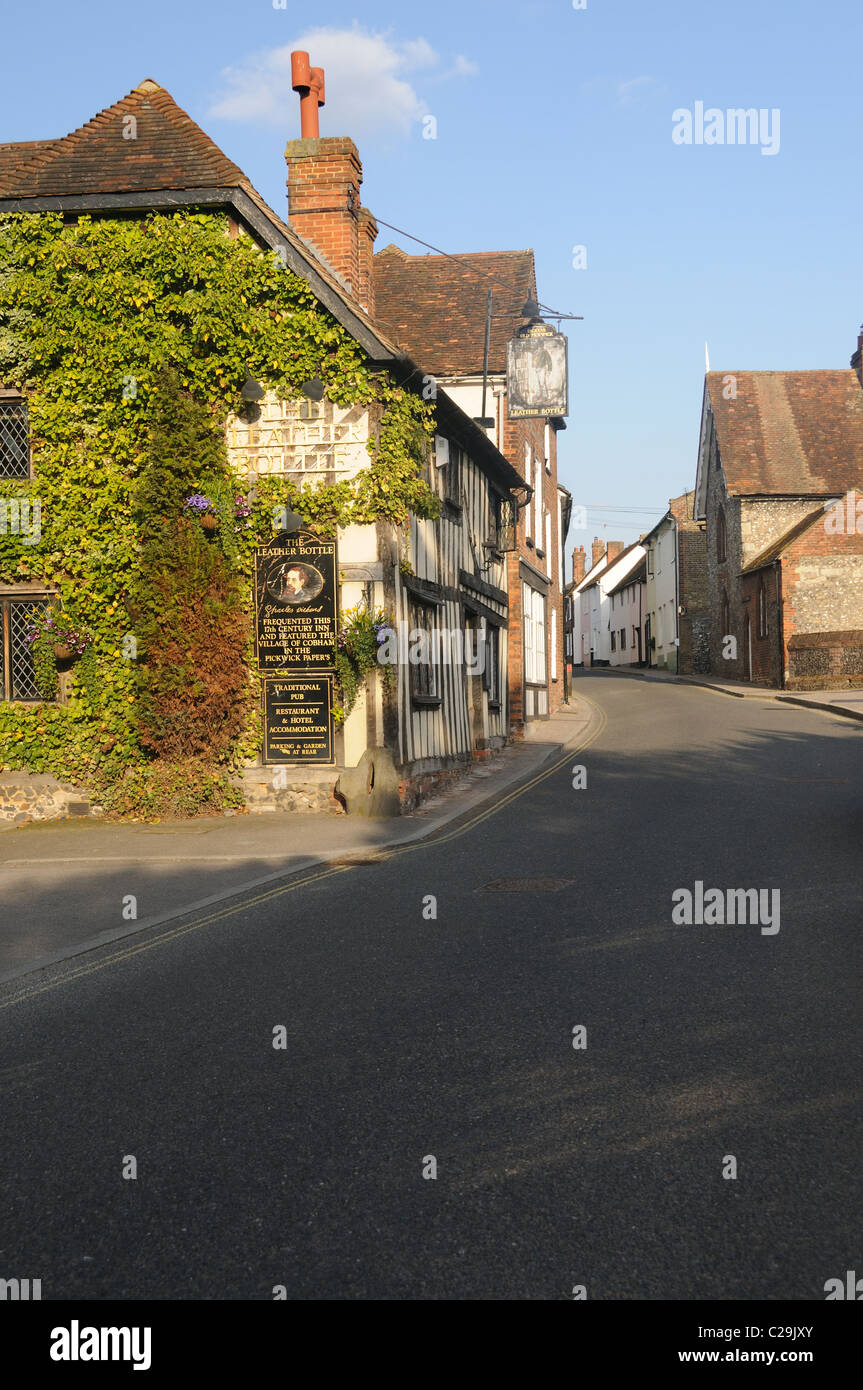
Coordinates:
(14, 438)
(17, 677)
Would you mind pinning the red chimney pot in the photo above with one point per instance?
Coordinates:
(309, 82)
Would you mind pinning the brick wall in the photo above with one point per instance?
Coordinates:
(722, 575)
(324, 178)
(767, 655)
(822, 578)
(751, 526)
(693, 625)
(516, 434)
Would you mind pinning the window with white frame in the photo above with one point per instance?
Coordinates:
(534, 636)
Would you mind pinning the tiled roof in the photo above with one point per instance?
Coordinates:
(791, 433)
(435, 306)
(14, 156)
(168, 151)
(634, 576)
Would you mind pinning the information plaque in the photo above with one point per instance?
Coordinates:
(295, 604)
(298, 719)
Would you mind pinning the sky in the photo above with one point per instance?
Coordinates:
(558, 125)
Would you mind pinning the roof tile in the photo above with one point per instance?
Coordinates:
(435, 306)
(789, 433)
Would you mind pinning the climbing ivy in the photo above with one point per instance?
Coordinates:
(92, 312)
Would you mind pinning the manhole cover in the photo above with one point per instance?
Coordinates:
(527, 885)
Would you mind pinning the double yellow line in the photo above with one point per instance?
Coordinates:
(317, 876)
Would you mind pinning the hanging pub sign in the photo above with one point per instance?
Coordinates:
(295, 603)
(298, 719)
(537, 372)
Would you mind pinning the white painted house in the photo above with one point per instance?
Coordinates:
(592, 603)
(661, 594)
(627, 613)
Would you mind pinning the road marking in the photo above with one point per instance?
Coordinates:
(430, 843)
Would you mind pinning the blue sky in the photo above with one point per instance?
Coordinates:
(554, 130)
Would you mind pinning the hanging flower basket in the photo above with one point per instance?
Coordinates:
(62, 652)
(205, 509)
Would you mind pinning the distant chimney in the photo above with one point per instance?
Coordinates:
(597, 551)
(324, 178)
(579, 564)
(614, 549)
(857, 359)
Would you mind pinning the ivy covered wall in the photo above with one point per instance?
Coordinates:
(91, 314)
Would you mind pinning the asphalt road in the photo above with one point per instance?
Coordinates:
(409, 1038)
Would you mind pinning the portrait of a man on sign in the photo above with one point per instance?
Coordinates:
(292, 582)
(537, 375)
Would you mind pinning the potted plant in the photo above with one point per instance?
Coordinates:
(242, 513)
(54, 640)
(361, 633)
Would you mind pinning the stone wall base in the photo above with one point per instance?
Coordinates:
(26, 797)
(269, 789)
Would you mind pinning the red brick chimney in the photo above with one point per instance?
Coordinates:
(614, 549)
(597, 551)
(857, 359)
(324, 178)
(579, 564)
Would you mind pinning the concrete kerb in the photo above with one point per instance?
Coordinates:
(584, 717)
(750, 693)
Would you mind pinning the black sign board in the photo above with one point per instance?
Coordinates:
(298, 719)
(295, 603)
(537, 376)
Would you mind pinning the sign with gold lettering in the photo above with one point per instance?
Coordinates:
(537, 375)
(295, 603)
(298, 719)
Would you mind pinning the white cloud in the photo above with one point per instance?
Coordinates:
(627, 91)
(464, 67)
(365, 75)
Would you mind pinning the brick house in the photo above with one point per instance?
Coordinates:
(143, 156)
(437, 307)
(777, 451)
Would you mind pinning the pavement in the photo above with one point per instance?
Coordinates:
(69, 886)
(373, 1083)
(848, 701)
